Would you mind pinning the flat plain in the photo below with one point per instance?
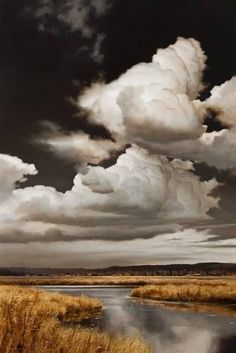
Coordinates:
(112, 280)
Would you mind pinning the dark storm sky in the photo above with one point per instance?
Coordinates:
(41, 69)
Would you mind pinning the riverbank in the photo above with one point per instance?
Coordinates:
(32, 321)
(208, 291)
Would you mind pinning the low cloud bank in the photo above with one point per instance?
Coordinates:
(187, 246)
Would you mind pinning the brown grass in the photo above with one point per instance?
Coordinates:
(207, 291)
(75, 280)
(102, 280)
(31, 321)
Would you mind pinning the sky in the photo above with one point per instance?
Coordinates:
(117, 132)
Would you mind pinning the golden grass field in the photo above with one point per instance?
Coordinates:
(31, 321)
(105, 280)
(192, 290)
(76, 280)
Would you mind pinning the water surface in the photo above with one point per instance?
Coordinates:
(171, 329)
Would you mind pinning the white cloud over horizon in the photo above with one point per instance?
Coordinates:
(138, 185)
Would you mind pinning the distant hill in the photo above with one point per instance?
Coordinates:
(203, 269)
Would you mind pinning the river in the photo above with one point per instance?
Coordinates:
(169, 329)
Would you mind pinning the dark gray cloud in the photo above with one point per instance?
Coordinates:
(72, 15)
(78, 15)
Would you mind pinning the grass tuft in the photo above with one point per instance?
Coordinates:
(206, 291)
(31, 321)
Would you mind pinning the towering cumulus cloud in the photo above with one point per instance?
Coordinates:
(211, 148)
(155, 106)
(152, 101)
(151, 104)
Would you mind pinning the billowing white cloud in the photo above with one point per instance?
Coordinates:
(223, 100)
(138, 185)
(217, 149)
(12, 171)
(152, 101)
(154, 105)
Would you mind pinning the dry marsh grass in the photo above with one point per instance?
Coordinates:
(31, 322)
(105, 280)
(59, 306)
(75, 280)
(207, 291)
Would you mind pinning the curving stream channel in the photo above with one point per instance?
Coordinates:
(170, 328)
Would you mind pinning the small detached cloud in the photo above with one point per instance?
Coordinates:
(75, 16)
(78, 147)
